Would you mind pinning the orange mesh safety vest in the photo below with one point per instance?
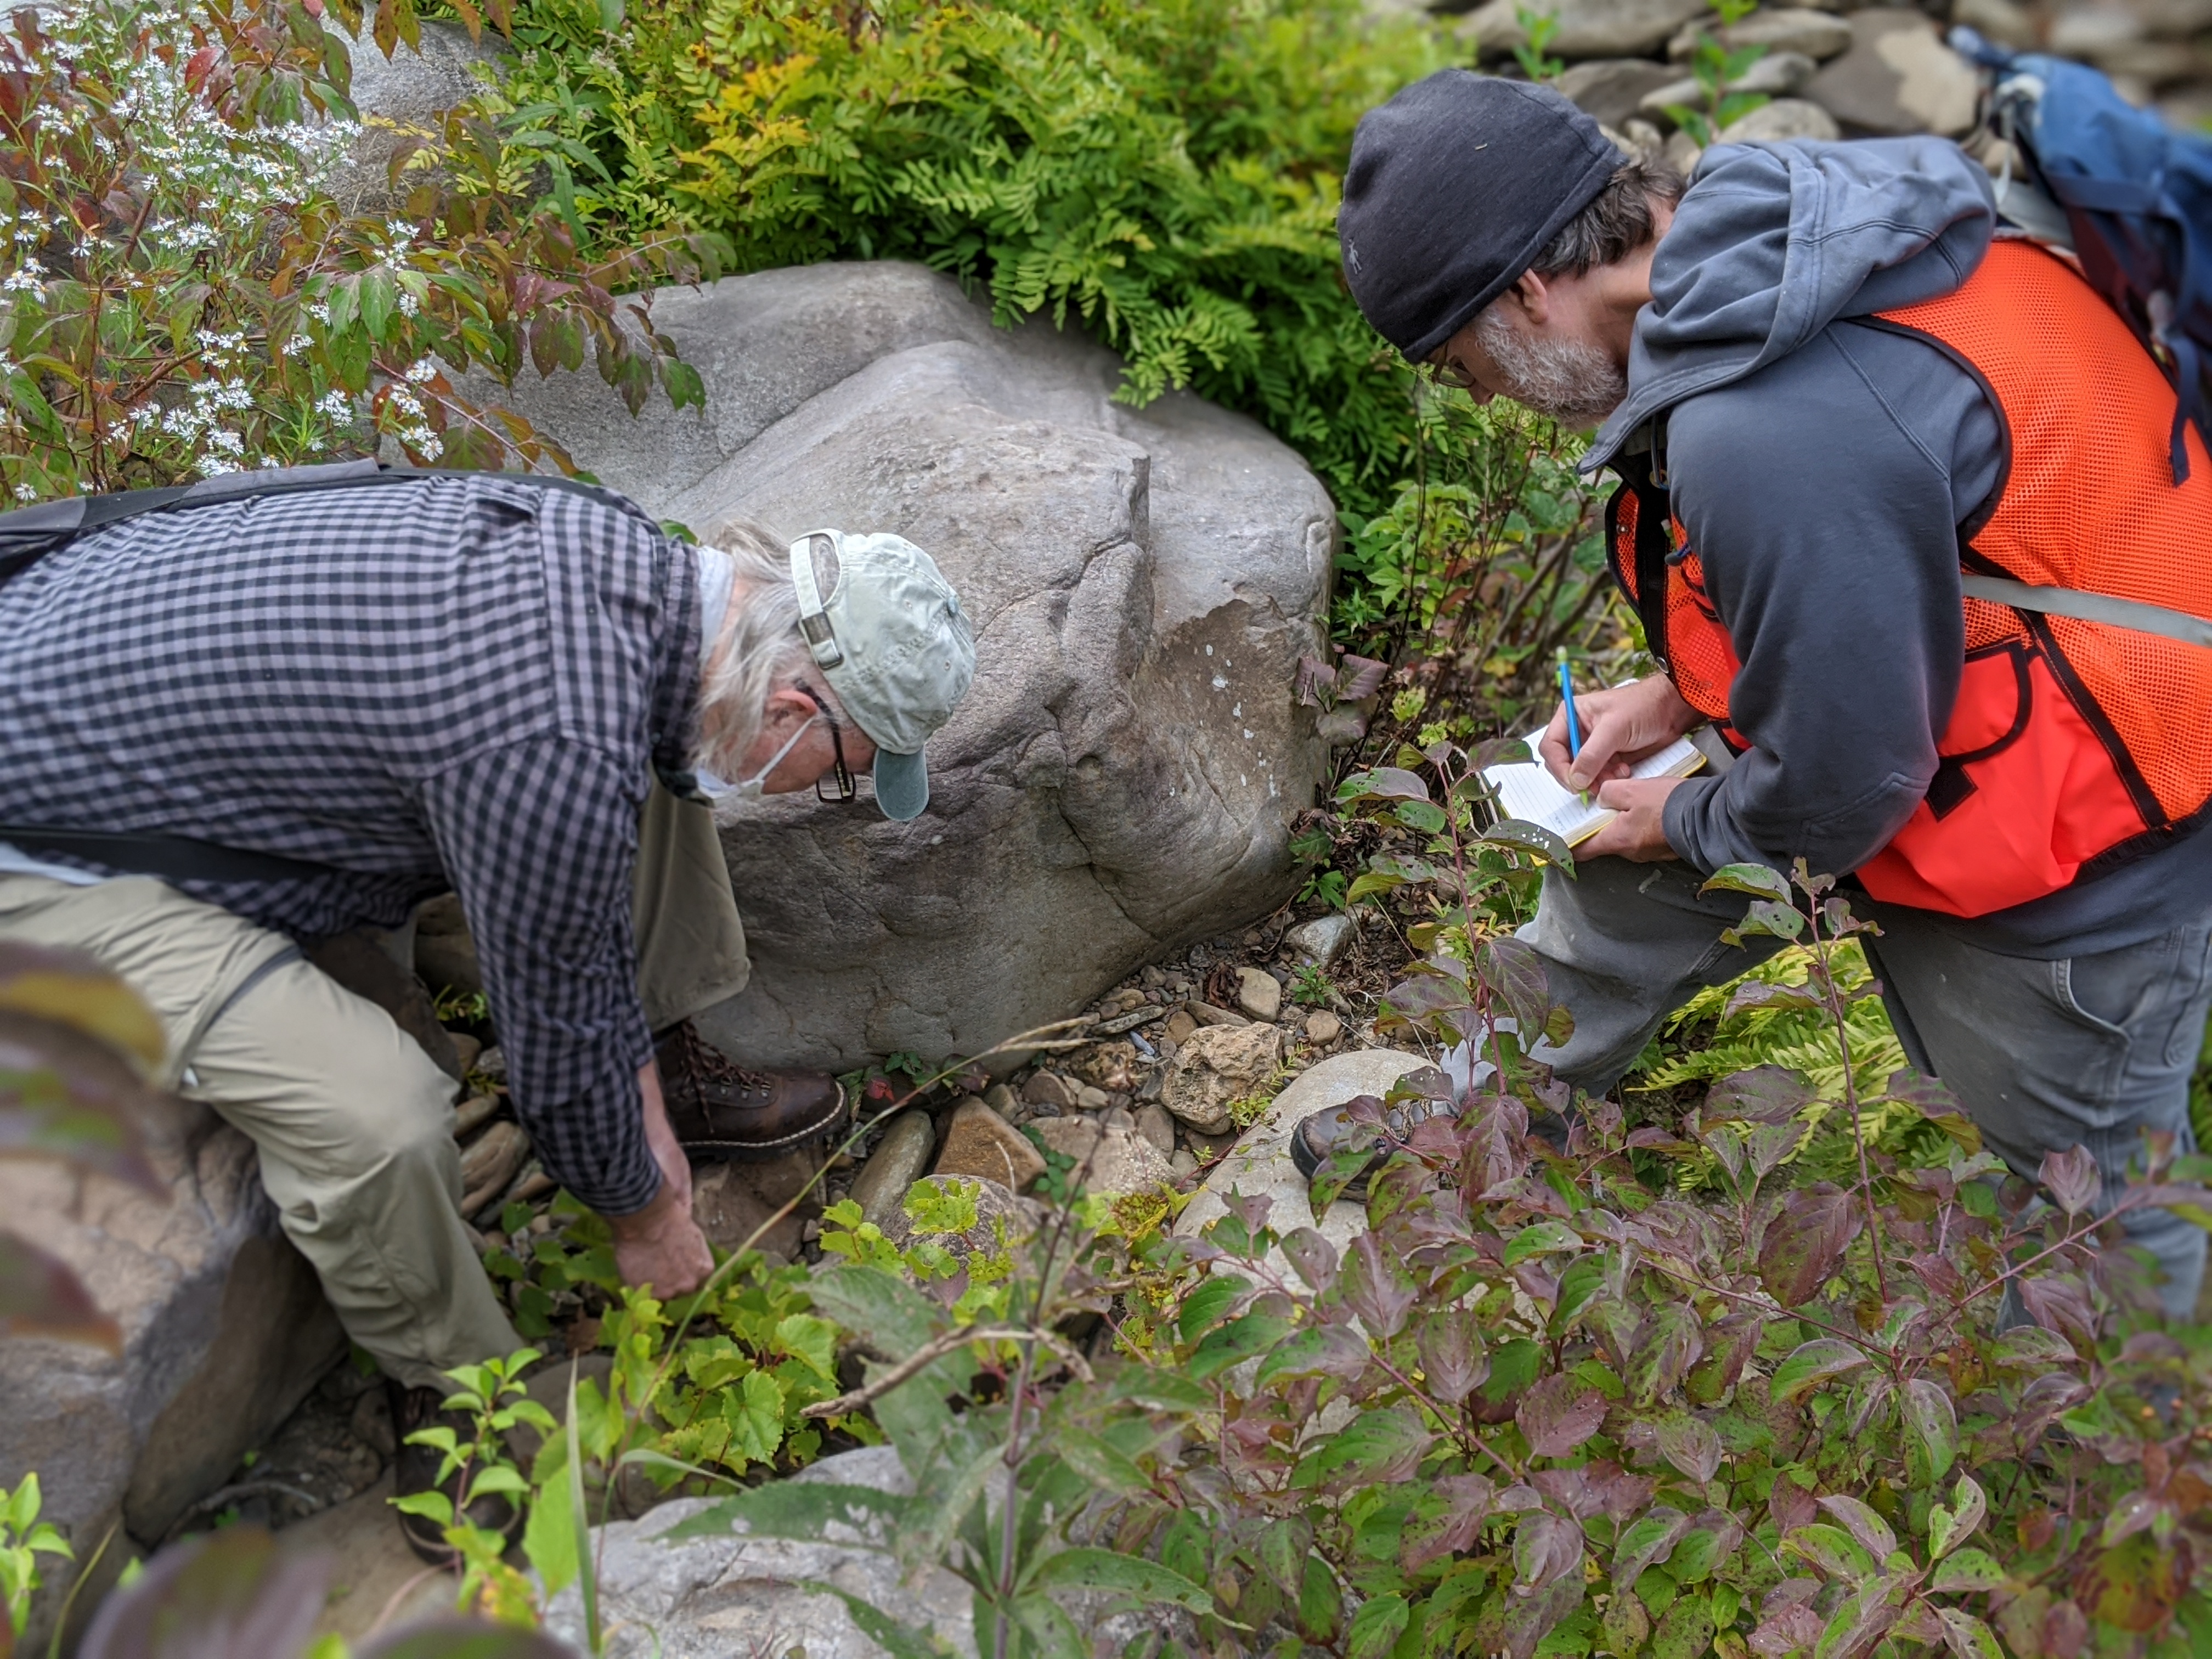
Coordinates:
(2073, 745)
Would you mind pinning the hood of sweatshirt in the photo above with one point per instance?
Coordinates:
(1775, 241)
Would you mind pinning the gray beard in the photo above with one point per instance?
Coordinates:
(1570, 382)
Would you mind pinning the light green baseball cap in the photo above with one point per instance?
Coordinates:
(891, 640)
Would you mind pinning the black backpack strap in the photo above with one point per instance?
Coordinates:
(172, 858)
(1644, 474)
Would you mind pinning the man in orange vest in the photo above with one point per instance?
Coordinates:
(1899, 515)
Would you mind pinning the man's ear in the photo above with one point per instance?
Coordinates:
(1534, 297)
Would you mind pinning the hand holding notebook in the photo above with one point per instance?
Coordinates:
(1528, 791)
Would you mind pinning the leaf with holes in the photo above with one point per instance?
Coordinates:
(1531, 838)
(1755, 879)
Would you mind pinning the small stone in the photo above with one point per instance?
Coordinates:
(1899, 77)
(532, 1183)
(1152, 978)
(465, 1049)
(1109, 1162)
(1090, 1097)
(371, 1422)
(1610, 89)
(897, 1163)
(1210, 1147)
(1001, 1098)
(1588, 28)
(1184, 1163)
(1644, 137)
(2000, 21)
(1219, 1065)
(1050, 1089)
(1117, 1117)
(996, 1208)
(490, 1163)
(1819, 34)
(1205, 1014)
(1777, 75)
(1781, 121)
(1156, 1126)
(730, 1212)
(1180, 1026)
(1258, 993)
(979, 1142)
(473, 1114)
(1121, 1001)
(491, 1064)
(1682, 152)
(1323, 1028)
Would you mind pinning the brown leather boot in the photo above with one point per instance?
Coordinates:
(722, 1110)
(415, 1468)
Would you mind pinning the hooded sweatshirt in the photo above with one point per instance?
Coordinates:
(1822, 467)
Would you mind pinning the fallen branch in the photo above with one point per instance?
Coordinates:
(935, 1349)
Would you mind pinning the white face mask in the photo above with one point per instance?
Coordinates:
(754, 787)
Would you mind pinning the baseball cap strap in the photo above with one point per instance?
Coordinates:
(813, 616)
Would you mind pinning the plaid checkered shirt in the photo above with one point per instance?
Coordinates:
(461, 683)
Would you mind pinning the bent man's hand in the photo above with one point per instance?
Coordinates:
(661, 1245)
(1640, 832)
(1619, 728)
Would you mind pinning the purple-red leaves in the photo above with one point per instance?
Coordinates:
(1691, 1446)
(1447, 1521)
(1805, 1243)
(1376, 1288)
(1667, 1346)
(1452, 1359)
(1546, 1546)
(2071, 1178)
(1558, 1414)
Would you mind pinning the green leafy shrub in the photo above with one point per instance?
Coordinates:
(1165, 173)
(179, 295)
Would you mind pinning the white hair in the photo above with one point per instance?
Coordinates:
(760, 648)
(1571, 381)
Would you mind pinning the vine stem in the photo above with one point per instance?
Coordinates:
(1823, 950)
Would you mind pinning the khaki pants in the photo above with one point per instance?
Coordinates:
(353, 1123)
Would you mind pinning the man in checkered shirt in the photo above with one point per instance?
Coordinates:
(475, 683)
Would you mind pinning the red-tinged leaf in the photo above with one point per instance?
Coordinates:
(1766, 1094)
(1315, 1351)
(1376, 1288)
(1395, 783)
(40, 1295)
(1511, 967)
(1754, 993)
(1968, 1636)
(1647, 1542)
(2072, 1179)
(231, 1593)
(1312, 674)
(1805, 1244)
(1453, 1362)
(1363, 678)
(2133, 1585)
(1545, 1548)
(1447, 1521)
(1691, 1446)
(1868, 1527)
(1789, 1630)
(2066, 1631)
(1792, 1506)
(1833, 1551)
(1314, 1257)
(1861, 1620)
(1668, 1344)
(463, 1638)
(1558, 1414)
(2060, 1302)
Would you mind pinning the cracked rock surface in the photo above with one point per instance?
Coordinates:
(1122, 779)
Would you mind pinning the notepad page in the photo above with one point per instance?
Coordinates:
(1525, 791)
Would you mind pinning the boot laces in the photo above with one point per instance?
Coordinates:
(706, 1066)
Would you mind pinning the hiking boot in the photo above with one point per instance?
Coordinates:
(1320, 1136)
(722, 1110)
(415, 1468)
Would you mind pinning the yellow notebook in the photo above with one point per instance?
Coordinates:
(1525, 791)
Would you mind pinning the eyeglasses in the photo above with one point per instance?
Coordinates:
(1446, 373)
(841, 775)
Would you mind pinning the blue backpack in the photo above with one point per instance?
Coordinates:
(2137, 198)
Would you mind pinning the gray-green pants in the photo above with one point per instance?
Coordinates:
(2044, 1054)
(353, 1123)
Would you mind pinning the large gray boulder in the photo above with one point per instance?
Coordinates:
(1123, 780)
(224, 1331)
(402, 100)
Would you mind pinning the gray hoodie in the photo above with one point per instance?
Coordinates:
(1822, 467)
